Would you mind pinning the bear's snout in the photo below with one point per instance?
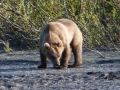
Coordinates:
(56, 62)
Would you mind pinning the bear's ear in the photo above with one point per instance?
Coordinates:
(59, 44)
(46, 45)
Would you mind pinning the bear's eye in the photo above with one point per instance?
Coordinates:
(54, 43)
(59, 44)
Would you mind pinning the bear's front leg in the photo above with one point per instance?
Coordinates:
(65, 58)
(43, 61)
(77, 51)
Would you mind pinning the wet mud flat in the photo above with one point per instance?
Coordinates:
(18, 71)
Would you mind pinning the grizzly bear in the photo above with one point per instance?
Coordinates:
(57, 39)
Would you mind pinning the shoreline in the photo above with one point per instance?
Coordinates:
(18, 71)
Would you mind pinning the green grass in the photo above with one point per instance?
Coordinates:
(22, 20)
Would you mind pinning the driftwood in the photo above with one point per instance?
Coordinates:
(96, 51)
(6, 46)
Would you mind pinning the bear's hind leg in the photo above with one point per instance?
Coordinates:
(43, 61)
(77, 52)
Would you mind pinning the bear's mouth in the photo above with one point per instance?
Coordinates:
(57, 67)
(56, 63)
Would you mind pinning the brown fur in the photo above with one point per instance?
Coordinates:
(56, 41)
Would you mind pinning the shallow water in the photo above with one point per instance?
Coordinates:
(18, 71)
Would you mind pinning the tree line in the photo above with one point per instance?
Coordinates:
(21, 21)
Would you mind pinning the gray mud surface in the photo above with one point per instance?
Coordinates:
(18, 71)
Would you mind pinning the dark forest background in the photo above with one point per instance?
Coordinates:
(22, 20)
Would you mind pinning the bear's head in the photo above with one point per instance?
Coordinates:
(53, 51)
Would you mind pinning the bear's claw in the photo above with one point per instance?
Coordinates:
(59, 67)
(39, 67)
(73, 66)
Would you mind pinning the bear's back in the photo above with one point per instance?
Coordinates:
(66, 22)
(65, 29)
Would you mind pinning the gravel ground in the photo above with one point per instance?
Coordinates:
(18, 71)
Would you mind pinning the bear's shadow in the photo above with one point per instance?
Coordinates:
(27, 65)
(108, 61)
(17, 65)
